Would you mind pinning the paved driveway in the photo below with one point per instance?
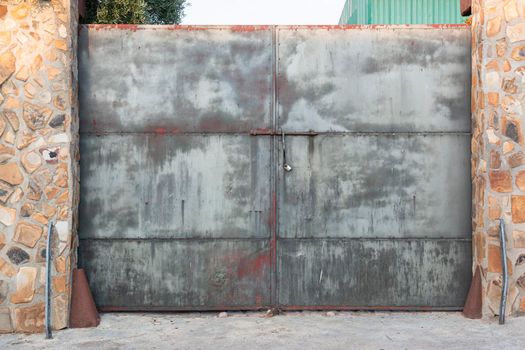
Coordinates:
(301, 330)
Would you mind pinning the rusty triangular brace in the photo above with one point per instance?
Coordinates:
(83, 312)
(473, 305)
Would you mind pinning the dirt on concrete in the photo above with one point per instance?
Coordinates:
(298, 330)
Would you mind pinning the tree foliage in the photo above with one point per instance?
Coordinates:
(135, 11)
(122, 11)
(165, 11)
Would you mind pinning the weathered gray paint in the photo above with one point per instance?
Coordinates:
(185, 186)
(374, 273)
(376, 211)
(175, 209)
(151, 79)
(177, 205)
(191, 274)
(374, 80)
(376, 186)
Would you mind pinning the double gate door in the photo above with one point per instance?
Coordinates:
(291, 167)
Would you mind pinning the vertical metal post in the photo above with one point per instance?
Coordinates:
(503, 243)
(48, 282)
(274, 174)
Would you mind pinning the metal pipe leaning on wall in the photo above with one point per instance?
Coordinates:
(503, 244)
(48, 282)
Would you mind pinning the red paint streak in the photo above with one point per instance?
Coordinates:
(253, 267)
(160, 131)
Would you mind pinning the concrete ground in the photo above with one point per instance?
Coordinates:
(301, 330)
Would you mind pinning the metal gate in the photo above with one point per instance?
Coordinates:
(299, 167)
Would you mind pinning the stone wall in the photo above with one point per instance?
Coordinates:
(38, 158)
(498, 148)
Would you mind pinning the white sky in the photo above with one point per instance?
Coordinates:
(263, 12)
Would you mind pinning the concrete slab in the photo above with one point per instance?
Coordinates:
(301, 330)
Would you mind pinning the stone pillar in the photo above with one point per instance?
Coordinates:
(498, 148)
(38, 158)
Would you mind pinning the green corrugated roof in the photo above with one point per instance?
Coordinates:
(401, 12)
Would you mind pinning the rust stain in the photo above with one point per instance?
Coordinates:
(253, 28)
(368, 308)
(451, 26)
(262, 131)
(97, 129)
(135, 27)
(258, 300)
(253, 266)
(222, 307)
(211, 124)
(160, 131)
(249, 28)
(132, 27)
(374, 26)
(188, 28)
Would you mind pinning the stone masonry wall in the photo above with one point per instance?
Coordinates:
(498, 147)
(38, 158)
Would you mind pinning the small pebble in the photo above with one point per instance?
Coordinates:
(330, 314)
(223, 315)
(269, 313)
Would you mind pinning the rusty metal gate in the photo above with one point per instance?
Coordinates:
(298, 167)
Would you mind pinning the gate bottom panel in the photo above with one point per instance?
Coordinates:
(416, 274)
(177, 274)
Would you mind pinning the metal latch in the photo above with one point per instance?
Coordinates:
(286, 166)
